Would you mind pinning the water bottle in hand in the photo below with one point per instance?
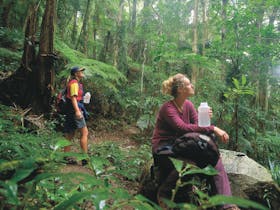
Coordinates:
(203, 115)
(87, 98)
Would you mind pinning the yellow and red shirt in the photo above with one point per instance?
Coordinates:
(74, 88)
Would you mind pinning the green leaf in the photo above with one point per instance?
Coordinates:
(208, 170)
(221, 200)
(61, 143)
(72, 200)
(236, 83)
(99, 164)
(10, 190)
(243, 80)
(144, 200)
(177, 163)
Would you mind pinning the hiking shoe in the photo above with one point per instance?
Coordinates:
(70, 160)
(84, 162)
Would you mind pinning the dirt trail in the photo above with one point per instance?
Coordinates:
(123, 137)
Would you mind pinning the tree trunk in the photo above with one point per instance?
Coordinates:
(83, 38)
(6, 13)
(44, 73)
(96, 25)
(224, 18)
(75, 28)
(32, 84)
(195, 69)
(16, 88)
(120, 60)
(261, 76)
(104, 51)
(133, 17)
(205, 24)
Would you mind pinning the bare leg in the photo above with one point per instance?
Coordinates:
(69, 136)
(84, 139)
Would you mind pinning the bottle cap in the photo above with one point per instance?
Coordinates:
(204, 104)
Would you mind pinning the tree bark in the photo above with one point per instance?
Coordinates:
(120, 60)
(133, 17)
(45, 72)
(195, 69)
(96, 26)
(83, 38)
(104, 51)
(205, 24)
(32, 84)
(224, 18)
(75, 28)
(6, 13)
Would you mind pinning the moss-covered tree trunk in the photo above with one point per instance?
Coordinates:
(44, 70)
(32, 84)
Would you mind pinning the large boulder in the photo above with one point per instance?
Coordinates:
(250, 180)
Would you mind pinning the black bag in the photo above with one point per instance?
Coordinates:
(198, 148)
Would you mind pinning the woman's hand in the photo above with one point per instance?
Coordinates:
(78, 114)
(224, 137)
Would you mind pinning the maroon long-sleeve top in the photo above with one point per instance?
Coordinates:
(171, 123)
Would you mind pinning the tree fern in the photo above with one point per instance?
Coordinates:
(103, 75)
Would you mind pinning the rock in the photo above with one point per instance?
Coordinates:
(250, 180)
(239, 163)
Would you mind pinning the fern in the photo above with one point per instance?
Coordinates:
(103, 75)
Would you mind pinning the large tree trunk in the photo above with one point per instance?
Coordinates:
(32, 84)
(45, 72)
(15, 88)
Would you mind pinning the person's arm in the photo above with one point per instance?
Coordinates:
(74, 89)
(171, 116)
(78, 112)
(223, 135)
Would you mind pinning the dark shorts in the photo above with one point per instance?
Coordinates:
(72, 123)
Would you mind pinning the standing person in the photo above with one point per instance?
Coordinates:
(175, 118)
(75, 113)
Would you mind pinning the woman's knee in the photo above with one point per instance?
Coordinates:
(84, 131)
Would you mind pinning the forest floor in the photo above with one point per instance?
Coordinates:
(122, 137)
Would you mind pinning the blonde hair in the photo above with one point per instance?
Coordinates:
(171, 85)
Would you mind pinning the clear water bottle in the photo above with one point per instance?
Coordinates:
(203, 115)
(87, 98)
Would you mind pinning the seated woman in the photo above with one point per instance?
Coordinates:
(175, 118)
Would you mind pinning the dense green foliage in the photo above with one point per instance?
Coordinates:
(32, 173)
(31, 166)
(231, 54)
